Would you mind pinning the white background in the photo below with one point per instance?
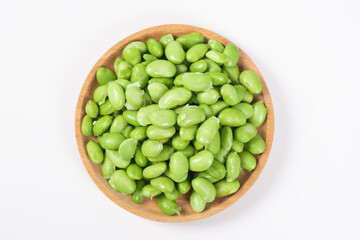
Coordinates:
(308, 52)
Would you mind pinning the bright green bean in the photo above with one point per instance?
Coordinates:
(260, 113)
(91, 109)
(95, 152)
(256, 145)
(87, 126)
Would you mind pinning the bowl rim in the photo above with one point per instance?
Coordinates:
(262, 159)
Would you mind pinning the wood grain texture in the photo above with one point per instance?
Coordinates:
(148, 208)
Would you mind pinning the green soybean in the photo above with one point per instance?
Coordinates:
(207, 130)
(229, 94)
(188, 151)
(218, 107)
(156, 91)
(108, 168)
(161, 68)
(206, 176)
(217, 57)
(180, 68)
(179, 165)
(130, 117)
(256, 145)
(127, 149)
(91, 109)
(106, 108)
(138, 196)
(246, 108)
(174, 97)
(248, 97)
(248, 161)
(196, 52)
(151, 148)
(154, 47)
(198, 146)
(237, 146)
(201, 161)
(173, 195)
(184, 186)
(149, 191)
(178, 143)
(224, 188)
(233, 55)
(207, 110)
(94, 152)
(123, 183)
(166, 39)
(208, 97)
(215, 45)
(212, 66)
(149, 58)
(168, 206)
(138, 133)
(217, 170)
(138, 45)
(174, 52)
(196, 202)
(87, 126)
(215, 144)
(163, 155)
(117, 63)
(155, 170)
(100, 94)
(111, 183)
(138, 74)
(112, 141)
(144, 112)
(204, 188)
(226, 137)
(134, 172)
(232, 117)
(233, 166)
(116, 96)
(260, 113)
(127, 131)
(172, 177)
(124, 70)
(123, 82)
(188, 133)
(245, 133)
(105, 75)
(155, 133)
(134, 97)
(232, 73)
(163, 184)
(197, 82)
(221, 156)
(140, 158)
(190, 39)
(132, 55)
(101, 125)
(251, 81)
(163, 118)
(116, 158)
(168, 82)
(198, 66)
(217, 78)
(190, 116)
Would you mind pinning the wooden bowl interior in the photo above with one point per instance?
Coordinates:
(148, 208)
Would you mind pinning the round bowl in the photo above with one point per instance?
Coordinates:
(148, 208)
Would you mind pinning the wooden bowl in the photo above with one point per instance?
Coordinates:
(148, 208)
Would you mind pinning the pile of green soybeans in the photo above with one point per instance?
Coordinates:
(175, 117)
